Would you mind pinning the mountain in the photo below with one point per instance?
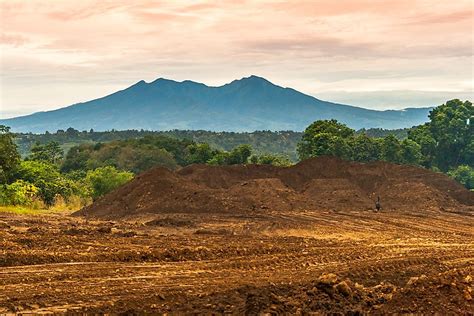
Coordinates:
(248, 104)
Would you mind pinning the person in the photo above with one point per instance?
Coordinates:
(377, 204)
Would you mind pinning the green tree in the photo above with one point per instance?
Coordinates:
(410, 152)
(467, 154)
(200, 153)
(464, 175)
(9, 156)
(390, 149)
(364, 148)
(451, 126)
(422, 136)
(50, 152)
(221, 158)
(325, 137)
(239, 155)
(125, 155)
(270, 159)
(18, 193)
(47, 179)
(76, 158)
(106, 179)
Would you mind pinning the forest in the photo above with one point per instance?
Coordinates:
(72, 168)
(274, 142)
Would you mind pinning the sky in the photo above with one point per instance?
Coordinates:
(379, 54)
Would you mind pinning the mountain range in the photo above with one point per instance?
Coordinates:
(249, 104)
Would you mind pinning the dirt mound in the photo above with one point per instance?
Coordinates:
(323, 183)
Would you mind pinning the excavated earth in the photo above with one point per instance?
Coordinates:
(250, 240)
(316, 184)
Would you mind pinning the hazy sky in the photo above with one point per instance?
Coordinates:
(371, 53)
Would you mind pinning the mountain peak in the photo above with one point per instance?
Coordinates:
(254, 78)
(163, 80)
(251, 81)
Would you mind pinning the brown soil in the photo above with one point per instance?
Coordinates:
(317, 184)
(280, 262)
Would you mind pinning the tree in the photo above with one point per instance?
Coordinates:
(76, 158)
(464, 175)
(325, 138)
(18, 193)
(410, 152)
(130, 155)
(9, 156)
(467, 154)
(200, 153)
(50, 152)
(422, 136)
(451, 126)
(270, 159)
(390, 150)
(239, 155)
(221, 158)
(106, 179)
(47, 179)
(364, 148)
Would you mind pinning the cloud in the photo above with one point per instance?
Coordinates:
(395, 99)
(443, 18)
(320, 46)
(84, 10)
(311, 45)
(15, 40)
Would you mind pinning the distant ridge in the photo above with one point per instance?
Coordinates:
(248, 104)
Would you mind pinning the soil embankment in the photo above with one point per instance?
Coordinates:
(323, 183)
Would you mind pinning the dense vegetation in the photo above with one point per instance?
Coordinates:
(46, 176)
(263, 142)
(282, 143)
(446, 143)
(99, 162)
(37, 182)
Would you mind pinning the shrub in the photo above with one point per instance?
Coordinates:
(106, 179)
(270, 159)
(464, 175)
(18, 193)
(47, 179)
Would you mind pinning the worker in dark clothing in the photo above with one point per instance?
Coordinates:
(377, 204)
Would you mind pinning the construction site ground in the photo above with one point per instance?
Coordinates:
(294, 262)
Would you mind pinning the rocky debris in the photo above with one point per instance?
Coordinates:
(327, 294)
(446, 291)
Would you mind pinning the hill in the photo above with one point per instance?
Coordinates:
(247, 104)
(322, 183)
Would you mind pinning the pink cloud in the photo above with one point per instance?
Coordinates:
(314, 44)
(13, 39)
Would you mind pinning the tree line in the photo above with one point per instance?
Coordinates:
(445, 143)
(47, 176)
(273, 142)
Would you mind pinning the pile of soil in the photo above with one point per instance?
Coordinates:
(323, 183)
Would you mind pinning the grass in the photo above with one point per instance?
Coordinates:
(22, 210)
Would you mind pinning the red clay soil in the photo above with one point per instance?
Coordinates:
(323, 183)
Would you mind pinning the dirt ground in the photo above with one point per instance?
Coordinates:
(300, 262)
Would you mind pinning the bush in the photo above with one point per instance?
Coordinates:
(464, 175)
(19, 193)
(270, 159)
(47, 179)
(106, 179)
